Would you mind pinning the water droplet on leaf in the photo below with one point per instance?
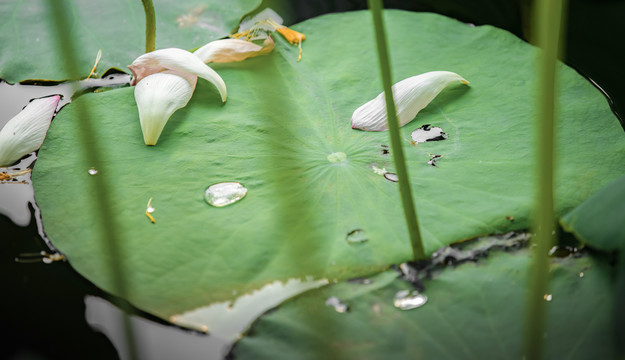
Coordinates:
(547, 297)
(224, 193)
(337, 304)
(356, 236)
(426, 133)
(434, 159)
(391, 177)
(408, 300)
(92, 171)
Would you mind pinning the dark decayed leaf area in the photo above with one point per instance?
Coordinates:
(282, 121)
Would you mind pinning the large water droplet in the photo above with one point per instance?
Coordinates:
(337, 304)
(426, 133)
(92, 171)
(408, 300)
(337, 157)
(224, 193)
(356, 236)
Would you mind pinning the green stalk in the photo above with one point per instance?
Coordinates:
(410, 212)
(150, 25)
(91, 153)
(548, 17)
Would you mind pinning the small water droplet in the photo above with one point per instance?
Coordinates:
(337, 157)
(581, 274)
(224, 193)
(434, 159)
(391, 177)
(408, 300)
(46, 260)
(357, 236)
(337, 304)
(547, 297)
(426, 133)
(92, 171)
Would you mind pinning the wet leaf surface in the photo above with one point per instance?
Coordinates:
(473, 311)
(285, 134)
(116, 26)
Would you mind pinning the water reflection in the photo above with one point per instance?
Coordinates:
(225, 322)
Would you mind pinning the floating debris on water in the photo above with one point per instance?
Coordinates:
(409, 299)
(547, 297)
(42, 256)
(337, 157)
(434, 159)
(357, 236)
(225, 193)
(426, 133)
(391, 177)
(92, 171)
(337, 304)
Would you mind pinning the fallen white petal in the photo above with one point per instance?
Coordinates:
(178, 60)
(25, 132)
(158, 96)
(411, 95)
(231, 50)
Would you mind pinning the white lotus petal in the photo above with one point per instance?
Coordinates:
(158, 96)
(178, 60)
(411, 95)
(25, 132)
(231, 50)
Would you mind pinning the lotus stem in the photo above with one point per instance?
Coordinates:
(548, 15)
(100, 189)
(150, 25)
(410, 213)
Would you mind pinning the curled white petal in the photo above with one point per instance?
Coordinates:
(25, 132)
(178, 60)
(158, 96)
(231, 50)
(411, 95)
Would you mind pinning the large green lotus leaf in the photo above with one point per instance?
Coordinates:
(115, 26)
(474, 311)
(274, 134)
(599, 221)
